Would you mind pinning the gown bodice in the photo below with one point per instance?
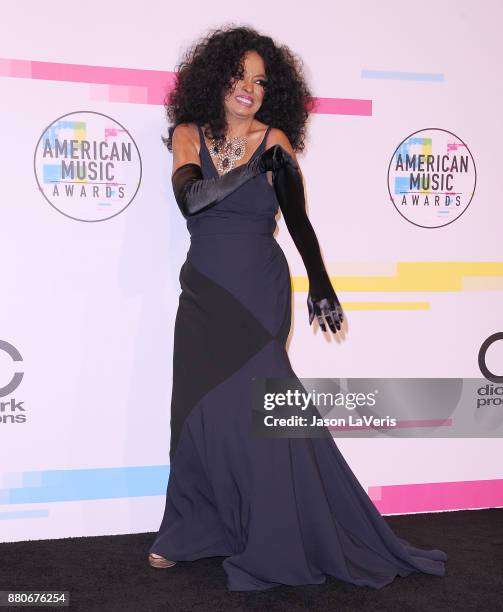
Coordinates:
(250, 209)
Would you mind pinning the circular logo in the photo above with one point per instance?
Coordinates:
(15, 381)
(432, 178)
(482, 358)
(87, 166)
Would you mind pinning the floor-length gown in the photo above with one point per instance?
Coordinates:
(281, 510)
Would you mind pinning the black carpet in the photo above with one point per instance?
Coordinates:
(112, 573)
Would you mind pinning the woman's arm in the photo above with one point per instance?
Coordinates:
(193, 193)
(288, 185)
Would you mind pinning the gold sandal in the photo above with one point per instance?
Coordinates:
(160, 562)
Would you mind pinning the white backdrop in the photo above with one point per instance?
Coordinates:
(88, 305)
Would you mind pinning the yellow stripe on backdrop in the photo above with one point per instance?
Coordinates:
(416, 276)
(436, 276)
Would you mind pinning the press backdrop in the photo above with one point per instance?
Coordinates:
(90, 266)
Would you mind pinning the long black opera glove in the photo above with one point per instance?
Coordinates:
(322, 299)
(193, 193)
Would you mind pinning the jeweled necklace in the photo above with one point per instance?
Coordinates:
(229, 152)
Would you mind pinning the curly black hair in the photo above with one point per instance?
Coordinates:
(207, 72)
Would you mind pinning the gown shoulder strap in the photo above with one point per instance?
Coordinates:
(202, 142)
(261, 147)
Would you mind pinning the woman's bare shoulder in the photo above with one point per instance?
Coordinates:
(277, 136)
(184, 132)
(186, 145)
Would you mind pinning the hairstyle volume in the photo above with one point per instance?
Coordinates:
(208, 69)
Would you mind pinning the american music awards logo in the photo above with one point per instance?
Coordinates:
(432, 178)
(87, 166)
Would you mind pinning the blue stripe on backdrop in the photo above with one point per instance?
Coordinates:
(97, 483)
(401, 76)
(24, 514)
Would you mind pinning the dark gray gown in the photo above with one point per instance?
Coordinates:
(281, 510)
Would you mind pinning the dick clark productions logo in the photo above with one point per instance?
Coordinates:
(87, 166)
(432, 177)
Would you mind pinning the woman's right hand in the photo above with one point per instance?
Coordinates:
(274, 158)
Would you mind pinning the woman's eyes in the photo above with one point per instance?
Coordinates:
(239, 76)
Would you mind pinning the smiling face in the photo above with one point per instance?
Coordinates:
(247, 92)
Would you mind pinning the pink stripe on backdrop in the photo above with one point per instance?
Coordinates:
(136, 85)
(437, 496)
(342, 106)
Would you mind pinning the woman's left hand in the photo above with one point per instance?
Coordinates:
(328, 307)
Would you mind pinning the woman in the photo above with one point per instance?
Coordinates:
(281, 510)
